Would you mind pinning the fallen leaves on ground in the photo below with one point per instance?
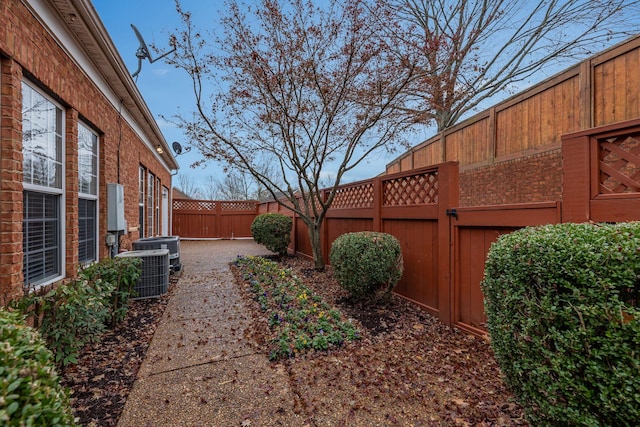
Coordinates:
(103, 377)
(407, 370)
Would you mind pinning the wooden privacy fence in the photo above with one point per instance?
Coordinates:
(601, 174)
(444, 245)
(202, 219)
(598, 91)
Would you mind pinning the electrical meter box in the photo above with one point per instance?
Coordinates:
(115, 207)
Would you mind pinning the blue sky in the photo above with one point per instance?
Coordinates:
(166, 89)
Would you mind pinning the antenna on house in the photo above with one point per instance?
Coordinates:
(143, 52)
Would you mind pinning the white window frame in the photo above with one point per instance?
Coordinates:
(38, 188)
(142, 173)
(151, 182)
(158, 201)
(92, 194)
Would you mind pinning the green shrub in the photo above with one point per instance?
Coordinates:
(77, 312)
(74, 314)
(30, 391)
(123, 274)
(273, 230)
(563, 310)
(367, 264)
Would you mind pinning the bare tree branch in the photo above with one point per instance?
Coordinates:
(188, 187)
(467, 51)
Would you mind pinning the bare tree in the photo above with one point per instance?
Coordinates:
(297, 86)
(188, 187)
(234, 186)
(211, 188)
(469, 50)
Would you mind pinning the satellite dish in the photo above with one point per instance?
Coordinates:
(177, 148)
(143, 52)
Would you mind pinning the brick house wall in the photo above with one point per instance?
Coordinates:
(30, 51)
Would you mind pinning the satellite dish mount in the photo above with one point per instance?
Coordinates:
(143, 52)
(177, 148)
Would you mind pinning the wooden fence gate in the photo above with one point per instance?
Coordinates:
(206, 219)
(474, 229)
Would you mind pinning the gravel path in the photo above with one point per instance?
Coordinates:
(201, 369)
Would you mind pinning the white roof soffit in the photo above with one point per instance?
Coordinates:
(94, 52)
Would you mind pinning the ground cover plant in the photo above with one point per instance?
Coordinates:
(562, 304)
(298, 318)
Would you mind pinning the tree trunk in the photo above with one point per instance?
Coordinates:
(316, 246)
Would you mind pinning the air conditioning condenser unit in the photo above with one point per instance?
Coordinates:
(154, 279)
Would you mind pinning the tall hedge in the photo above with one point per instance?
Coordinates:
(272, 230)
(563, 313)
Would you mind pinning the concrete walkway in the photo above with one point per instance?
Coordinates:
(200, 370)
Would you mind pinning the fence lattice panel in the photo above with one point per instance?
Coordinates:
(620, 164)
(194, 205)
(238, 205)
(417, 189)
(354, 196)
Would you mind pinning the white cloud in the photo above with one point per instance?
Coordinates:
(161, 71)
(164, 124)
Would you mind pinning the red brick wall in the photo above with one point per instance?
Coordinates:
(10, 181)
(26, 48)
(72, 186)
(536, 178)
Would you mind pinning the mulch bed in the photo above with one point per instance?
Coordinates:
(408, 369)
(103, 377)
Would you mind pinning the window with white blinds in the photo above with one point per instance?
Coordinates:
(141, 199)
(151, 181)
(43, 174)
(87, 194)
(41, 237)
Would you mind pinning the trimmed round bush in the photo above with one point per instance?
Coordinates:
(30, 391)
(273, 231)
(563, 313)
(367, 264)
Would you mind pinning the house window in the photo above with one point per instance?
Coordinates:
(88, 194)
(151, 181)
(141, 222)
(43, 172)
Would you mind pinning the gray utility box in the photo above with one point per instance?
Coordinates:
(154, 280)
(115, 207)
(162, 242)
